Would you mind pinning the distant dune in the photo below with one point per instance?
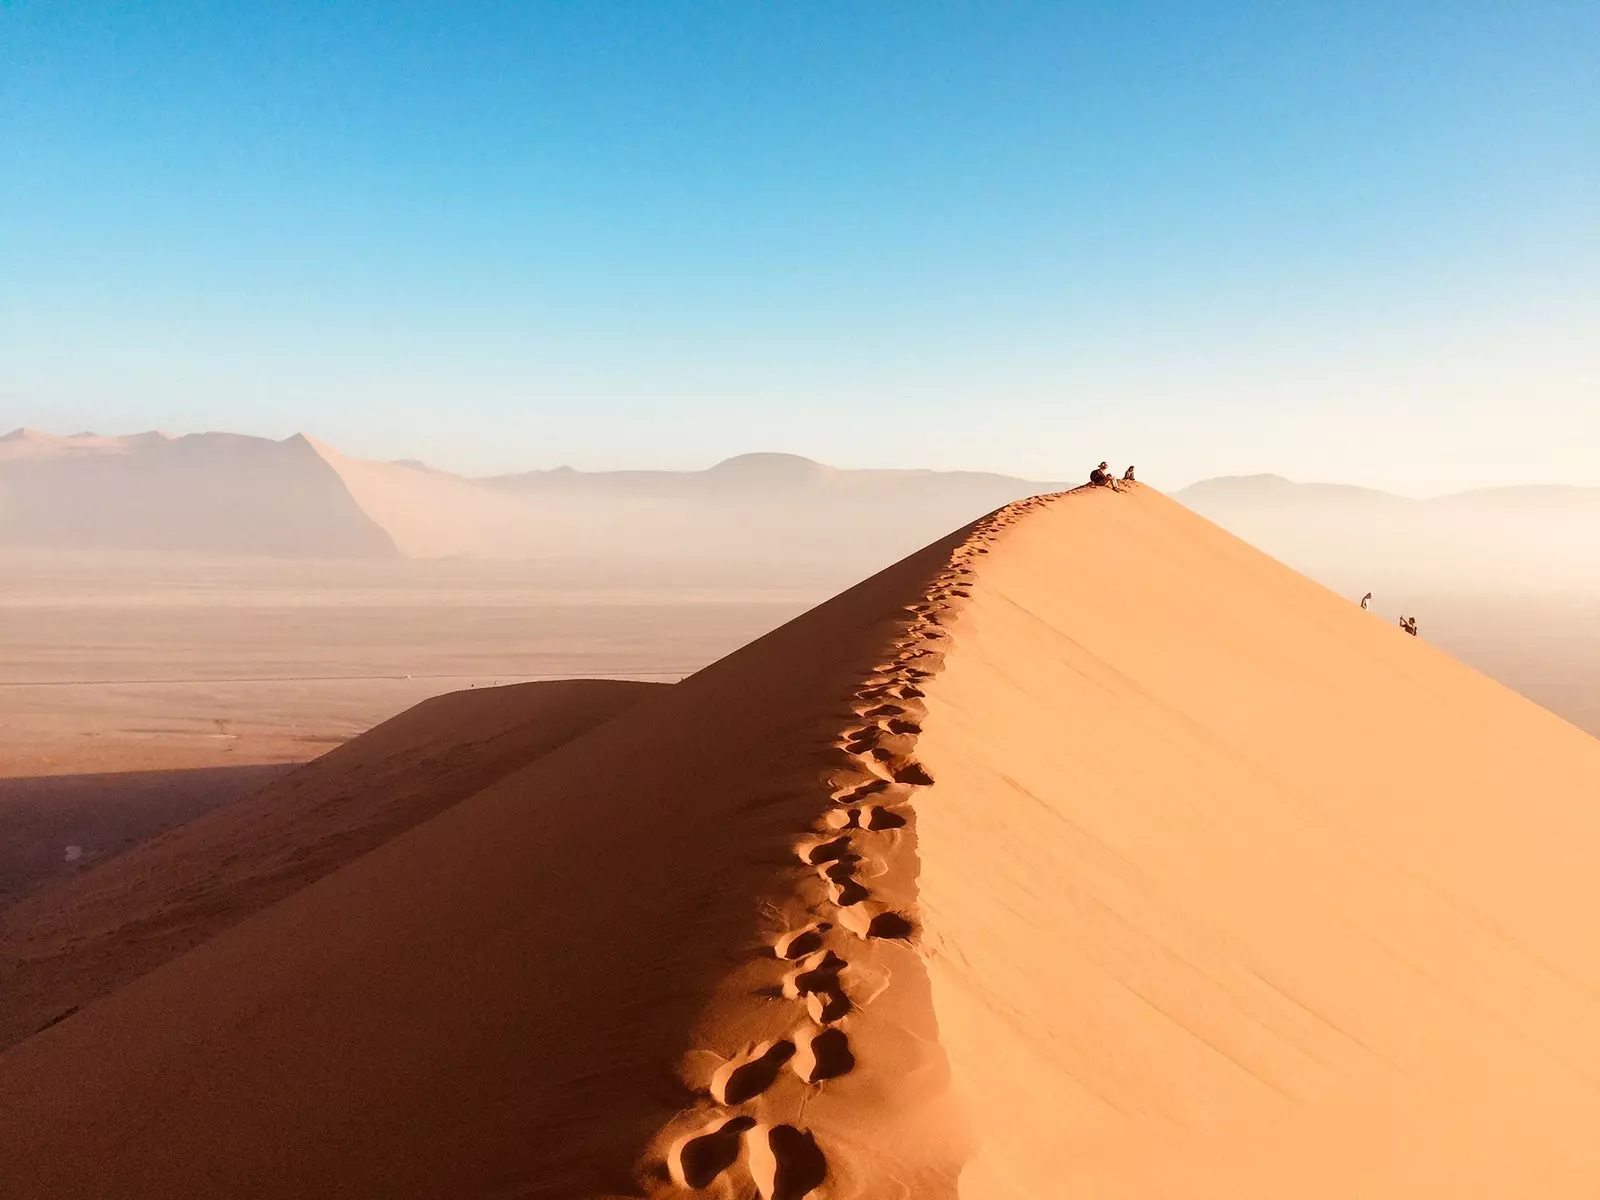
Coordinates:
(91, 934)
(1087, 852)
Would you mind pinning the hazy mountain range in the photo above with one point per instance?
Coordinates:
(762, 515)
(774, 516)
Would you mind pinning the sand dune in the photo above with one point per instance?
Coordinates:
(88, 935)
(1086, 853)
(58, 825)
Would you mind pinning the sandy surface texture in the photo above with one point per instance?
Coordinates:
(1086, 853)
(88, 935)
(57, 825)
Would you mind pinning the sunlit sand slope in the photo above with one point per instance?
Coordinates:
(1230, 889)
(1086, 853)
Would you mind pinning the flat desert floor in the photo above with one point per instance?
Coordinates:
(137, 694)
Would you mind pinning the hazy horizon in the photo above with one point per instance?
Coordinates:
(1070, 478)
(1332, 244)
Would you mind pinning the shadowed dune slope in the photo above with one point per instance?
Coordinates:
(88, 935)
(496, 1002)
(1086, 853)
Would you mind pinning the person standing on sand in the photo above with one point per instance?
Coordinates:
(1364, 600)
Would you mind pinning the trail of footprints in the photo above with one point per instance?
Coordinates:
(850, 849)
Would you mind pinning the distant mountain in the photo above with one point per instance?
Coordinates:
(764, 472)
(208, 493)
(1255, 490)
(770, 517)
(1512, 538)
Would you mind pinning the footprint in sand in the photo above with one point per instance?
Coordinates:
(843, 886)
(785, 1162)
(747, 1077)
(877, 817)
(872, 817)
(913, 773)
(862, 740)
(696, 1160)
(856, 794)
(818, 973)
(827, 1005)
(815, 853)
(864, 922)
(822, 1054)
(798, 943)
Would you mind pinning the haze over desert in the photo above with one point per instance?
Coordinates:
(838, 602)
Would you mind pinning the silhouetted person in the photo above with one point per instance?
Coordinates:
(1409, 624)
(1101, 477)
(1364, 600)
(1127, 476)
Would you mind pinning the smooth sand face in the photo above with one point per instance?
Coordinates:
(1086, 853)
(97, 930)
(1236, 891)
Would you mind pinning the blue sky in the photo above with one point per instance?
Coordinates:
(1342, 240)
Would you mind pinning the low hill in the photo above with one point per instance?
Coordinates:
(90, 934)
(991, 877)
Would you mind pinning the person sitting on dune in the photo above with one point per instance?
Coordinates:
(1364, 600)
(1101, 477)
(1127, 476)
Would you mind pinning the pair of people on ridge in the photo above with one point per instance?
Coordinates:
(1101, 476)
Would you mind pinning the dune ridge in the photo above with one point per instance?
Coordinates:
(1087, 852)
(852, 999)
(491, 1002)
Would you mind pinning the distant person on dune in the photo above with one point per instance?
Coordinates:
(1364, 600)
(1101, 476)
(1127, 476)
(1409, 624)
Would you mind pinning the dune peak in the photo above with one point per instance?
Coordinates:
(996, 875)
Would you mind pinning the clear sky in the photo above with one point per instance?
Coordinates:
(1343, 240)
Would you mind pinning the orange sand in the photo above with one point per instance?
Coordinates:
(90, 934)
(1087, 853)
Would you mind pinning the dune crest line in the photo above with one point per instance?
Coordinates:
(754, 1131)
